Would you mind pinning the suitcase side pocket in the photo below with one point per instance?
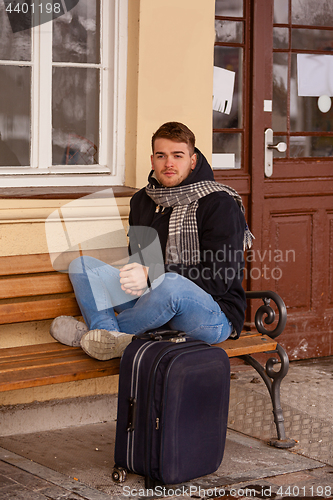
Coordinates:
(194, 416)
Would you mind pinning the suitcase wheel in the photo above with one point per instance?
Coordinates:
(119, 475)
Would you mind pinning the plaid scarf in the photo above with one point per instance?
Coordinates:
(183, 241)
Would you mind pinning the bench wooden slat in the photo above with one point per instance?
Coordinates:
(41, 360)
(33, 350)
(41, 263)
(248, 344)
(21, 278)
(29, 286)
(37, 310)
(45, 369)
(53, 363)
(25, 264)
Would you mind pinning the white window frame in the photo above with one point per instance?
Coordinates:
(111, 169)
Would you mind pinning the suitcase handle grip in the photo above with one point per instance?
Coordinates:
(172, 335)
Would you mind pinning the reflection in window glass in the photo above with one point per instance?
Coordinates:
(75, 116)
(280, 38)
(230, 58)
(228, 143)
(281, 11)
(231, 8)
(312, 39)
(280, 91)
(15, 123)
(305, 115)
(76, 34)
(310, 118)
(302, 147)
(228, 31)
(13, 46)
(310, 13)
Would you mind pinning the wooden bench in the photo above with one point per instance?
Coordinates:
(32, 290)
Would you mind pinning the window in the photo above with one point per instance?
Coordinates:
(302, 62)
(230, 77)
(62, 100)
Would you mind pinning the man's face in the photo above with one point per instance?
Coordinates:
(172, 161)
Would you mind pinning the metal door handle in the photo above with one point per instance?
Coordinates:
(269, 147)
(281, 147)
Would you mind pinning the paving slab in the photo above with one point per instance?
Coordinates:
(307, 402)
(80, 459)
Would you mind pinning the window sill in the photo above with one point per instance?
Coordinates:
(62, 192)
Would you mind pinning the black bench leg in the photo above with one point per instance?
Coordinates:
(273, 381)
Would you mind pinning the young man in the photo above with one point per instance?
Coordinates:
(197, 289)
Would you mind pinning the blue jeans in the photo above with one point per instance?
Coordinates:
(172, 301)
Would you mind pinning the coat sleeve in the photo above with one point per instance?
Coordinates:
(221, 226)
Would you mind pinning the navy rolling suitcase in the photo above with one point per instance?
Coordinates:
(172, 409)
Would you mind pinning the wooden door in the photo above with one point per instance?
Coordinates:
(286, 66)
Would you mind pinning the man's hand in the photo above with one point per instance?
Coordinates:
(133, 278)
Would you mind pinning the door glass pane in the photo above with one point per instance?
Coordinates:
(75, 116)
(230, 58)
(280, 38)
(13, 46)
(281, 11)
(231, 8)
(306, 112)
(312, 13)
(229, 144)
(302, 102)
(228, 31)
(76, 34)
(15, 114)
(280, 92)
(312, 39)
(301, 146)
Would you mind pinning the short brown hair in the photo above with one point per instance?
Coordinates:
(175, 131)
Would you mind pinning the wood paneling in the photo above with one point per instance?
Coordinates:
(304, 225)
(290, 259)
(330, 265)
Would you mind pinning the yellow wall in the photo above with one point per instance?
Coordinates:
(78, 388)
(170, 75)
(22, 221)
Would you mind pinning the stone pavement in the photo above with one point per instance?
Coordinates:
(76, 462)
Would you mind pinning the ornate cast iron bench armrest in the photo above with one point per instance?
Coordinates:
(272, 378)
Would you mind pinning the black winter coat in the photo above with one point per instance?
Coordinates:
(221, 226)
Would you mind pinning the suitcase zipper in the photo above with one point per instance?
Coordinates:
(133, 397)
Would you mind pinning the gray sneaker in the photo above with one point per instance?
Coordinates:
(103, 345)
(68, 330)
